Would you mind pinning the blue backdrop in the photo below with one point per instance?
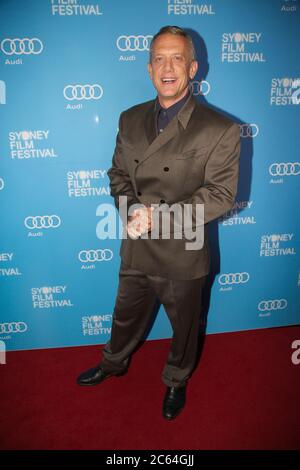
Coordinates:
(68, 68)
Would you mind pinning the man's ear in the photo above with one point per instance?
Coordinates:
(193, 69)
(150, 69)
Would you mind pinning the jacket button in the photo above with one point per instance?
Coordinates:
(139, 193)
(162, 201)
(136, 161)
(166, 168)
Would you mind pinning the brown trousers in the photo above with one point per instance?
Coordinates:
(137, 296)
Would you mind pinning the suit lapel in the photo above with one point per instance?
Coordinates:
(157, 141)
(150, 123)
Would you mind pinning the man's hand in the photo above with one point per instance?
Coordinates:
(140, 222)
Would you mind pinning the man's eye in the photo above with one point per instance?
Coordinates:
(158, 59)
(178, 57)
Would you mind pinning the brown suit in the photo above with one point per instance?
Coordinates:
(194, 160)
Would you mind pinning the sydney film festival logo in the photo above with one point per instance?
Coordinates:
(189, 7)
(50, 297)
(238, 214)
(242, 47)
(277, 244)
(96, 324)
(30, 144)
(74, 8)
(285, 91)
(87, 183)
(6, 268)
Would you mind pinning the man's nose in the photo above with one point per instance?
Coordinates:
(168, 65)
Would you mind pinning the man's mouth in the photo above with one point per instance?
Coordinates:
(168, 80)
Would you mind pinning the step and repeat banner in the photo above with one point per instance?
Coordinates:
(68, 68)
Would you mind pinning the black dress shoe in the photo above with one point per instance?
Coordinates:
(95, 376)
(174, 402)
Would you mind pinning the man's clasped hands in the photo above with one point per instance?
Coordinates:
(141, 221)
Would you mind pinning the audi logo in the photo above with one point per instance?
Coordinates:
(199, 88)
(95, 255)
(284, 169)
(134, 43)
(42, 221)
(21, 46)
(248, 130)
(272, 305)
(233, 278)
(83, 92)
(14, 327)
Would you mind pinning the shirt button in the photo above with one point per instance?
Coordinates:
(139, 193)
(164, 113)
(160, 130)
(162, 201)
(166, 168)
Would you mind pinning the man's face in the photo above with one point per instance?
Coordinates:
(171, 68)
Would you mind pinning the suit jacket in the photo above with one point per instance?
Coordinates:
(194, 160)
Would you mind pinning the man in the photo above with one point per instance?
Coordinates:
(169, 150)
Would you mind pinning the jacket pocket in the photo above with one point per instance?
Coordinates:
(192, 153)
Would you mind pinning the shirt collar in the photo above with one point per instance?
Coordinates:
(174, 109)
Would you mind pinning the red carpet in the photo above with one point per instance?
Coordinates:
(244, 395)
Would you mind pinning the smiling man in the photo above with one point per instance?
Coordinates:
(172, 65)
(170, 150)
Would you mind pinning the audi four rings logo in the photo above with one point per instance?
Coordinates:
(233, 278)
(14, 327)
(248, 130)
(284, 169)
(42, 221)
(83, 92)
(21, 46)
(95, 255)
(272, 305)
(199, 88)
(134, 43)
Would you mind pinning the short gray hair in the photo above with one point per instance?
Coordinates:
(177, 32)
